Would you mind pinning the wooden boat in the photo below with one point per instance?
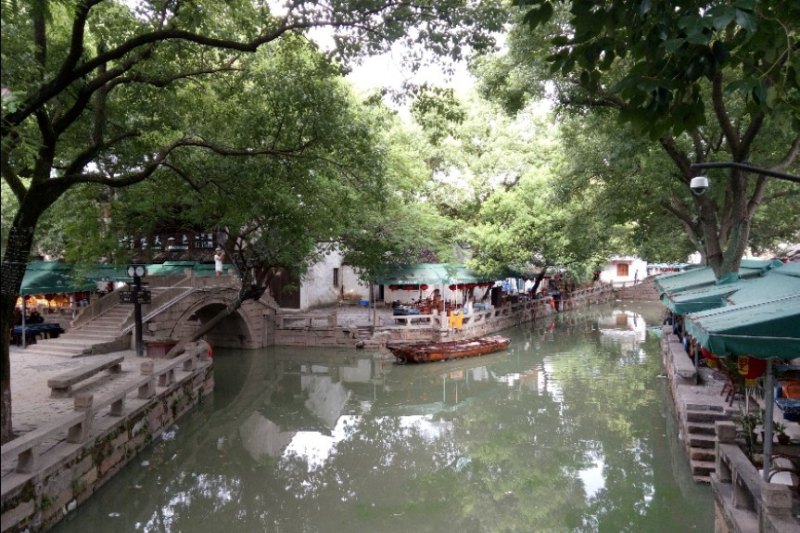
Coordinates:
(426, 352)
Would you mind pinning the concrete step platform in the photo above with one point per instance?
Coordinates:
(81, 339)
(702, 428)
(707, 416)
(703, 468)
(704, 407)
(62, 351)
(702, 441)
(702, 454)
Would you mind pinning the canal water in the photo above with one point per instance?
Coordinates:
(569, 430)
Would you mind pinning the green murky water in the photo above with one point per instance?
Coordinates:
(570, 430)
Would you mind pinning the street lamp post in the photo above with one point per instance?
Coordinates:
(137, 272)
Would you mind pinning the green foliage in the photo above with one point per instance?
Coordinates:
(670, 49)
(710, 84)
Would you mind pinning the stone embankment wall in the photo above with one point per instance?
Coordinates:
(49, 472)
(646, 290)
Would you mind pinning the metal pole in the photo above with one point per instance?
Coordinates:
(747, 167)
(769, 400)
(137, 314)
(23, 322)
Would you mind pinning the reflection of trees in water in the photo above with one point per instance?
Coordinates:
(487, 445)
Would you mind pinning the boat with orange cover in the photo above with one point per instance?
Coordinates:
(428, 352)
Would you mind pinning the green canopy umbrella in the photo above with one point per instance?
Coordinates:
(765, 330)
(772, 284)
(430, 274)
(758, 329)
(695, 278)
(53, 277)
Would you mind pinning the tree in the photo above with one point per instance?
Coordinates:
(706, 82)
(89, 88)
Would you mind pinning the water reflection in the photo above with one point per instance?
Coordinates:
(564, 432)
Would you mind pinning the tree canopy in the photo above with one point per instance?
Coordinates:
(94, 91)
(704, 82)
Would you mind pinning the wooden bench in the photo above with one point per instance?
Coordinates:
(61, 385)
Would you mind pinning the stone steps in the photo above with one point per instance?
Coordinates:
(703, 469)
(701, 428)
(702, 441)
(706, 416)
(701, 438)
(75, 341)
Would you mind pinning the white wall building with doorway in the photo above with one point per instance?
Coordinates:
(622, 271)
(330, 280)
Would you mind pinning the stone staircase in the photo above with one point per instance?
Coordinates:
(646, 290)
(76, 341)
(701, 438)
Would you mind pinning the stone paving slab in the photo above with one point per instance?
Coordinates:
(31, 403)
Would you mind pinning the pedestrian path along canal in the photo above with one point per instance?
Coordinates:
(569, 430)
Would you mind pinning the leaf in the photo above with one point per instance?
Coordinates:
(760, 93)
(536, 16)
(746, 20)
(672, 45)
(721, 16)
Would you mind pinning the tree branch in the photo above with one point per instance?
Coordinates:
(83, 158)
(677, 155)
(718, 101)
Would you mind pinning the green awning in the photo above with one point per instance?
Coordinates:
(696, 278)
(763, 330)
(772, 284)
(776, 283)
(53, 277)
(430, 274)
(169, 268)
(692, 301)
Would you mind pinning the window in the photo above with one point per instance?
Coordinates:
(622, 270)
(335, 277)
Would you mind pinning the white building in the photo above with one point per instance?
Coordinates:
(622, 271)
(328, 281)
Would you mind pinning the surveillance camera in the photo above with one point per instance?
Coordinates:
(699, 185)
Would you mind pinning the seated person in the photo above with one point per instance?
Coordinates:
(35, 317)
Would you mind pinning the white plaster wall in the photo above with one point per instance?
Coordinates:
(609, 272)
(316, 285)
(352, 284)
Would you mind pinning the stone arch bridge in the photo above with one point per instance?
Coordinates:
(177, 312)
(180, 305)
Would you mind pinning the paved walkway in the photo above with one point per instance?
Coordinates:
(31, 404)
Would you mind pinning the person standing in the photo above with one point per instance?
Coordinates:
(218, 256)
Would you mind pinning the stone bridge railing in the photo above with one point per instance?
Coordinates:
(744, 501)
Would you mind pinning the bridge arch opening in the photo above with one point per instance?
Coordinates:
(231, 332)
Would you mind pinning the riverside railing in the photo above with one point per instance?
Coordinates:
(744, 500)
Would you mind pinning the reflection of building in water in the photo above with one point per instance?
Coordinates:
(326, 399)
(623, 328)
(263, 438)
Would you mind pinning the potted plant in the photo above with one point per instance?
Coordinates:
(780, 429)
(748, 423)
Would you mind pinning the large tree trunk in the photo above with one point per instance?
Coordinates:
(15, 260)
